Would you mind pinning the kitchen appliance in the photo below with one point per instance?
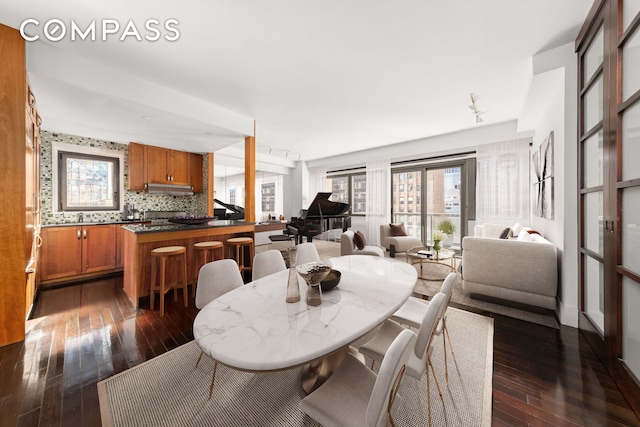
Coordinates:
(162, 217)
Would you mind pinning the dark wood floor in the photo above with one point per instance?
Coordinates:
(84, 333)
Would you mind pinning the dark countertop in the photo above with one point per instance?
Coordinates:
(155, 228)
(74, 224)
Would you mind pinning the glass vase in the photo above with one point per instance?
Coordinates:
(293, 289)
(313, 273)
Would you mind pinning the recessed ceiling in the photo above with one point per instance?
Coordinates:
(319, 78)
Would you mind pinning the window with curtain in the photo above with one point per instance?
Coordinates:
(503, 182)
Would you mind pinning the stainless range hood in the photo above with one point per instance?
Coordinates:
(174, 190)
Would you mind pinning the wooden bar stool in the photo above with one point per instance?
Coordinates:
(236, 247)
(159, 258)
(208, 249)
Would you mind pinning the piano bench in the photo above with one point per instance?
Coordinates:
(280, 238)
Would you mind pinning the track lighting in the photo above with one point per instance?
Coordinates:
(474, 108)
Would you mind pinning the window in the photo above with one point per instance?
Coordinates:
(88, 182)
(351, 189)
(232, 196)
(268, 197)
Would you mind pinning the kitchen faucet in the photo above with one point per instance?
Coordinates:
(80, 217)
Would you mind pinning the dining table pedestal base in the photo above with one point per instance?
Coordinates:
(316, 372)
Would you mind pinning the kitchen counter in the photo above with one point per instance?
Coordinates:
(140, 240)
(154, 228)
(75, 224)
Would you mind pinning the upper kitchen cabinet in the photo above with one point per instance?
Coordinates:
(149, 164)
(168, 166)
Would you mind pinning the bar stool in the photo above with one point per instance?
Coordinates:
(236, 247)
(208, 249)
(159, 258)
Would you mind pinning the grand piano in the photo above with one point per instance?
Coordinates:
(322, 215)
(237, 212)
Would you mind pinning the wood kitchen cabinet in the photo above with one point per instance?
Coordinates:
(162, 166)
(168, 166)
(69, 251)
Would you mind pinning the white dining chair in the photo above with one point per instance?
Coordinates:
(413, 310)
(266, 263)
(355, 396)
(306, 252)
(215, 279)
(419, 360)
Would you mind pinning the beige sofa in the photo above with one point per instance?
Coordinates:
(348, 246)
(522, 269)
(396, 244)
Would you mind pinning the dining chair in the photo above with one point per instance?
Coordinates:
(266, 263)
(355, 396)
(306, 252)
(419, 359)
(215, 279)
(413, 310)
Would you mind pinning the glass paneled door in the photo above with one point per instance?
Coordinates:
(424, 198)
(609, 137)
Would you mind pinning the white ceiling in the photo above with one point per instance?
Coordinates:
(320, 78)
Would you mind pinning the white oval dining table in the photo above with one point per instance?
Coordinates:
(253, 328)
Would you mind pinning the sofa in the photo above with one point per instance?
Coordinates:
(395, 244)
(348, 246)
(522, 268)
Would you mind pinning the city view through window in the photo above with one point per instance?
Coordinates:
(443, 197)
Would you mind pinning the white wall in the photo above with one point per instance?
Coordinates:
(551, 106)
(451, 143)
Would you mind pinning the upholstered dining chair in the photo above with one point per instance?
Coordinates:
(306, 252)
(419, 359)
(413, 310)
(215, 279)
(266, 263)
(355, 396)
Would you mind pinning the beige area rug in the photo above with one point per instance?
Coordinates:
(170, 391)
(460, 298)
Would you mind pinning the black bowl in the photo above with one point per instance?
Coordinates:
(331, 281)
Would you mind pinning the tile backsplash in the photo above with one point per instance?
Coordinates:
(196, 204)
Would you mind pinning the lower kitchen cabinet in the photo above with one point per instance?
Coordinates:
(69, 251)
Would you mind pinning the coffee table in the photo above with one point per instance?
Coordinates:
(424, 255)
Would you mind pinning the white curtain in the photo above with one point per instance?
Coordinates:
(378, 198)
(317, 181)
(502, 184)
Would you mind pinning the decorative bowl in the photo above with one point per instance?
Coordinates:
(331, 281)
(192, 220)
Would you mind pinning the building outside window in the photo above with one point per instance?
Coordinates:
(268, 193)
(351, 189)
(88, 182)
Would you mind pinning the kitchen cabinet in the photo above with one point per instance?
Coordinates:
(168, 166)
(136, 167)
(196, 172)
(147, 164)
(32, 195)
(69, 251)
(19, 176)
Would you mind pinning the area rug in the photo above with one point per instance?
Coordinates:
(460, 298)
(170, 391)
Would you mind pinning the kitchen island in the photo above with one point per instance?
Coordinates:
(140, 240)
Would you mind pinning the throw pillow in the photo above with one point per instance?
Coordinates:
(524, 236)
(359, 240)
(533, 232)
(397, 230)
(516, 228)
(506, 233)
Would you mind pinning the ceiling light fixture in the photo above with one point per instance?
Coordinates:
(474, 108)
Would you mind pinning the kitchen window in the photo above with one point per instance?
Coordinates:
(88, 182)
